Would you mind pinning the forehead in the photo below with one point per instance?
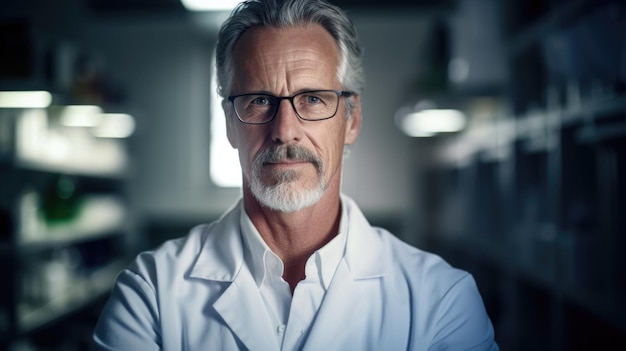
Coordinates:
(273, 53)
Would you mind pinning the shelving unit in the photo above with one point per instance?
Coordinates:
(82, 292)
(64, 222)
(533, 201)
(65, 230)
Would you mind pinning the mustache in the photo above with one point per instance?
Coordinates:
(287, 152)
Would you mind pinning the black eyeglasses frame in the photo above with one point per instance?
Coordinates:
(340, 93)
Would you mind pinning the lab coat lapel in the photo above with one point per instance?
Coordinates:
(242, 308)
(343, 304)
(240, 305)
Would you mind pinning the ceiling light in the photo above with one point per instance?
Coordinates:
(115, 125)
(431, 122)
(81, 116)
(210, 5)
(25, 99)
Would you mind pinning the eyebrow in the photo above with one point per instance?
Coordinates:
(266, 92)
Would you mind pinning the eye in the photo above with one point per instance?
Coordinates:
(312, 99)
(260, 100)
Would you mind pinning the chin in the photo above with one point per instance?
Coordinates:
(287, 197)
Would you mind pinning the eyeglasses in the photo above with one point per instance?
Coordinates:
(315, 105)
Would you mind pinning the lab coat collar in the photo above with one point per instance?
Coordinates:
(222, 254)
(222, 260)
(363, 248)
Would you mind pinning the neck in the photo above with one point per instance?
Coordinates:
(295, 236)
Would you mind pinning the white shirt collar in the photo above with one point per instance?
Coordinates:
(261, 260)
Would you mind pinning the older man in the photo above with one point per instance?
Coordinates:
(294, 265)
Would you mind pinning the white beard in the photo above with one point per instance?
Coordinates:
(285, 195)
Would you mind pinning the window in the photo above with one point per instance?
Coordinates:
(224, 163)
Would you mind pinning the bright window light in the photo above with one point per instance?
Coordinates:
(25, 99)
(224, 160)
(431, 122)
(210, 5)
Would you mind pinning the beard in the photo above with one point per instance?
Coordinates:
(283, 194)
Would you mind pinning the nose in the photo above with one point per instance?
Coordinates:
(287, 126)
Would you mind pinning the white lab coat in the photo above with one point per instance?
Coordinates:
(196, 293)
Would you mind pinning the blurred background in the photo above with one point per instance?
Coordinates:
(494, 135)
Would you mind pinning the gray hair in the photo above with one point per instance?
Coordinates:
(289, 13)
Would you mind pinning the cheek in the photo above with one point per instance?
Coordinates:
(334, 150)
(246, 159)
(246, 155)
(249, 146)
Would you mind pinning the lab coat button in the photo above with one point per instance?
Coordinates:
(281, 329)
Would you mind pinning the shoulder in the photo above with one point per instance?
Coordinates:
(421, 268)
(208, 247)
(446, 305)
(172, 255)
(183, 252)
(373, 251)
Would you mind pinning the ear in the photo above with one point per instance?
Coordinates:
(353, 124)
(231, 131)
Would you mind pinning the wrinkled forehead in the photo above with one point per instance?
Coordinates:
(275, 41)
(268, 55)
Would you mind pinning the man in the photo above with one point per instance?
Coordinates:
(294, 265)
